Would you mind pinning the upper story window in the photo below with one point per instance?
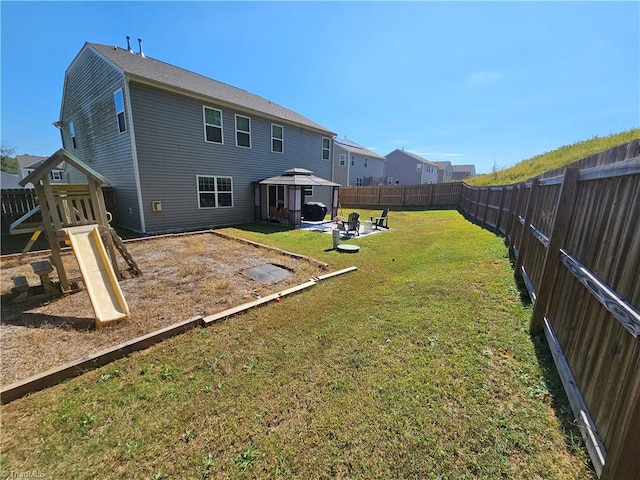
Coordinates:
(56, 175)
(353, 160)
(366, 162)
(243, 131)
(72, 130)
(212, 125)
(214, 192)
(418, 167)
(326, 148)
(343, 159)
(119, 101)
(277, 138)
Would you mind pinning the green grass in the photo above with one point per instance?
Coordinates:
(557, 158)
(417, 365)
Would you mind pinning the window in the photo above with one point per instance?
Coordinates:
(277, 138)
(243, 131)
(214, 192)
(343, 159)
(359, 181)
(353, 160)
(326, 148)
(119, 100)
(307, 190)
(72, 130)
(212, 125)
(366, 162)
(418, 167)
(56, 175)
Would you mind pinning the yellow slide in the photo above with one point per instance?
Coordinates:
(104, 290)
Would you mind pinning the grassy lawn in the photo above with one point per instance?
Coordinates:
(417, 365)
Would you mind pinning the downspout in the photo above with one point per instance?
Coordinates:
(134, 155)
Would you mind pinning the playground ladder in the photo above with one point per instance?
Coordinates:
(125, 253)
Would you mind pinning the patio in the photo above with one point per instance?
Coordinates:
(328, 226)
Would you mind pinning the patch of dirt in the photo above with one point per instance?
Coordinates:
(183, 276)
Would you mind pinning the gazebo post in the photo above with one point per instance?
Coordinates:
(334, 202)
(295, 206)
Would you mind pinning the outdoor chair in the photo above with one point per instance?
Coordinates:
(382, 220)
(352, 224)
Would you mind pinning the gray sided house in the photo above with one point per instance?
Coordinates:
(406, 168)
(445, 172)
(354, 164)
(460, 172)
(182, 151)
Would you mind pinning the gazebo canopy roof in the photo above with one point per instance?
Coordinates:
(298, 176)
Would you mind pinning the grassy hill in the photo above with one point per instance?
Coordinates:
(554, 159)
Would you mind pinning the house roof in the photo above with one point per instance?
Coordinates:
(463, 168)
(169, 76)
(298, 176)
(57, 158)
(415, 157)
(353, 147)
(443, 164)
(29, 161)
(9, 180)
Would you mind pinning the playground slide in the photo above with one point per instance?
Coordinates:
(100, 280)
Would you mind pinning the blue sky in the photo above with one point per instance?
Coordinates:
(488, 83)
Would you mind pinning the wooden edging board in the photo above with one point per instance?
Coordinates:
(95, 360)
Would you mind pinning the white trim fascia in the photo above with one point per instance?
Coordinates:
(134, 153)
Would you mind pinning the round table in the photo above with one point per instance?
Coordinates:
(348, 248)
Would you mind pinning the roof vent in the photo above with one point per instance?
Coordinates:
(141, 53)
(129, 44)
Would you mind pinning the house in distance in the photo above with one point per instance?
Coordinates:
(182, 151)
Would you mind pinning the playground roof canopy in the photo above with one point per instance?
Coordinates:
(54, 160)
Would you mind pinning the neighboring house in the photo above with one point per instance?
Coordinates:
(9, 180)
(406, 168)
(354, 164)
(445, 172)
(460, 172)
(28, 163)
(183, 151)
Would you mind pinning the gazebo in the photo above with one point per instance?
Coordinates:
(293, 181)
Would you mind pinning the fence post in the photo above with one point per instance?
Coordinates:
(515, 212)
(561, 219)
(379, 190)
(523, 240)
(499, 215)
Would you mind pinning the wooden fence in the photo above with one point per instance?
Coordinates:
(433, 195)
(575, 238)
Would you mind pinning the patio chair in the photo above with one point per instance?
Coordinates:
(352, 224)
(381, 221)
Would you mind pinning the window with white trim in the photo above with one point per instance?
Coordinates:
(72, 130)
(418, 167)
(118, 98)
(366, 162)
(243, 131)
(343, 159)
(353, 160)
(326, 148)
(56, 175)
(359, 181)
(214, 192)
(212, 125)
(307, 190)
(277, 138)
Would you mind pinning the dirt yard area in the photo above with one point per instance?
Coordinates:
(183, 276)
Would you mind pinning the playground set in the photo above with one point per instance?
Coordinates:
(75, 215)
